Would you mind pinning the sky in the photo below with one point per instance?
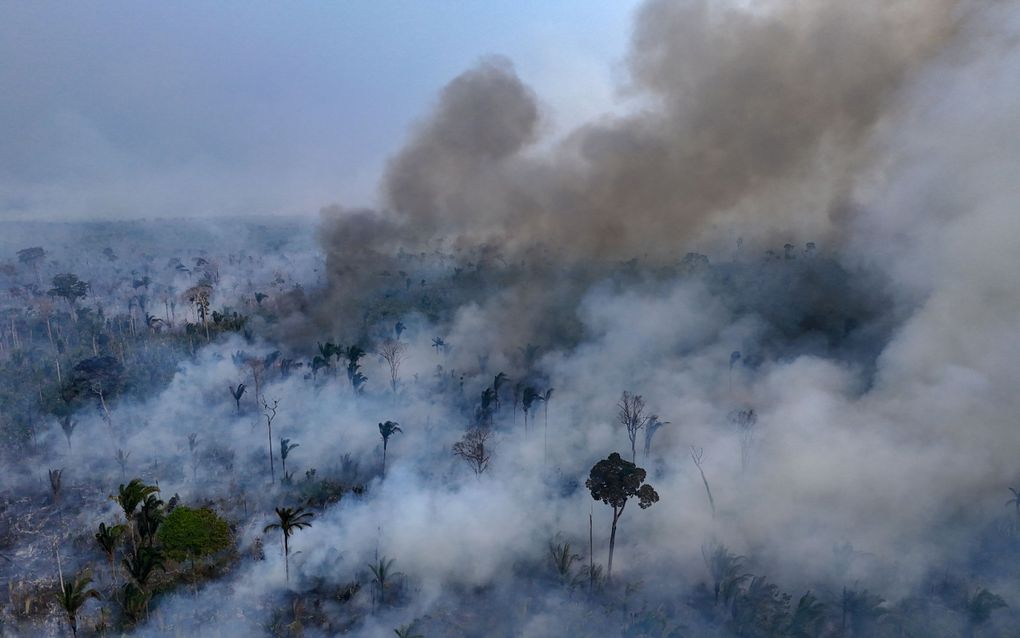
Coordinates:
(136, 110)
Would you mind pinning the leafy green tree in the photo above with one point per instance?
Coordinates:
(72, 597)
(291, 520)
(386, 430)
(614, 481)
(69, 288)
(193, 534)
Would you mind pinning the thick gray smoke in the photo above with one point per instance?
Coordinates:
(749, 115)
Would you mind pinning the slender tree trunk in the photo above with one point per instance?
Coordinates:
(286, 557)
(545, 435)
(591, 552)
(612, 543)
(272, 464)
(384, 458)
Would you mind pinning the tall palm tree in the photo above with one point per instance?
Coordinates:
(381, 572)
(67, 424)
(107, 538)
(237, 393)
(527, 400)
(386, 430)
(1015, 500)
(142, 562)
(291, 520)
(285, 447)
(73, 595)
(545, 429)
(130, 496)
(149, 517)
(497, 383)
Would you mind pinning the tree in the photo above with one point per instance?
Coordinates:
(69, 288)
(545, 428)
(270, 412)
(980, 607)
(472, 449)
(130, 496)
(563, 561)
(107, 538)
(193, 533)
(237, 393)
(697, 454)
(55, 476)
(148, 518)
(285, 447)
(100, 376)
(72, 597)
(142, 562)
(497, 383)
(632, 417)
(386, 430)
(651, 427)
(1015, 500)
(33, 257)
(291, 520)
(407, 631)
(528, 399)
(726, 570)
(613, 481)
(381, 572)
(392, 351)
(354, 375)
(67, 424)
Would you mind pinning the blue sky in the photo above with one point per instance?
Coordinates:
(124, 109)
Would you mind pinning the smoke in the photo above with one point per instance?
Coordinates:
(758, 117)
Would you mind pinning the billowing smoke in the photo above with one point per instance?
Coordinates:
(747, 115)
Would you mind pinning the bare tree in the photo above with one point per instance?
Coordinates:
(393, 352)
(632, 416)
(269, 410)
(696, 455)
(472, 449)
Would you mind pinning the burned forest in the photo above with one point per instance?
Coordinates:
(734, 354)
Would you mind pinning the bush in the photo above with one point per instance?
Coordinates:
(193, 533)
